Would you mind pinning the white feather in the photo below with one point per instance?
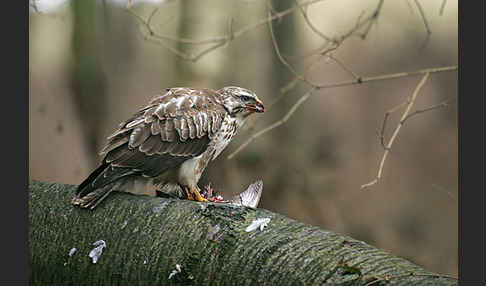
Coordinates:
(258, 223)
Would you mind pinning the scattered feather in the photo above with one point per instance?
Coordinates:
(124, 224)
(250, 197)
(72, 251)
(175, 271)
(258, 223)
(95, 253)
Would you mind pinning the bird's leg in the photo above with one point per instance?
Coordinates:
(193, 195)
(188, 193)
(198, 196)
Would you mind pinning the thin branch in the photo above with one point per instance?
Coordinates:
(347, 83)
(343, 66)
(387, 77)
(149, 20)
(216, 41)
(397, 130)
(422, 13)
(445, 103)
(33, 4)
(385, 120)
(301, 100)
(281, 58)
(373, 19)
(381, 134)
(311, 26)
(441, 11)
(336, 43)
(410, 8)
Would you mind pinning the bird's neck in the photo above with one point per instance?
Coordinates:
(241, 118)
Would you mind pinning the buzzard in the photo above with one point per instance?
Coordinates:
(166, 145)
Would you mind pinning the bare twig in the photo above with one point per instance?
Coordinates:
(344, 67)
(149, 20)
(215, 41)
(395, 133)
(372, 19)
(422, 13)
(33, 4)
(385, 120)
(323, 51)
(347, 83)
(441, 11)
(281, 58)
(294, 107)
(410, 8)
(311, 25)
(387, 77)
(445, 103)
(387, 114)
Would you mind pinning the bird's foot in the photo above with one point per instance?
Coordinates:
(198, 196)
(194, 195)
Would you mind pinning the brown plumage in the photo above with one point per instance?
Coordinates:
(167, 144)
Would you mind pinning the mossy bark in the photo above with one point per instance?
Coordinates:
(146, 237)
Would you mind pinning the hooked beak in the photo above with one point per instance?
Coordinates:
(257, 107)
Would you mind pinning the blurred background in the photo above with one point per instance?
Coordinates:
(92, 64)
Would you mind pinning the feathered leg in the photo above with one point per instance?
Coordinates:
(193, 195)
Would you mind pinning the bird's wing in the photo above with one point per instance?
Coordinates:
(175, 126)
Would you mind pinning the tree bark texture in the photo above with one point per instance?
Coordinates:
(147, 237)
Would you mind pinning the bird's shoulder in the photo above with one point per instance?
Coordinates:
(178, 115)
(180, 101)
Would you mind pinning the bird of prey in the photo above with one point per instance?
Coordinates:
(166, 145)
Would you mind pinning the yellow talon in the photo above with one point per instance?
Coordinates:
(194, 195)
(199, 198)
(188, 194)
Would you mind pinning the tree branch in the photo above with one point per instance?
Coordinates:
(279, 122)
(397, 130)
(332, 85)
(216, 42)
(147, 240)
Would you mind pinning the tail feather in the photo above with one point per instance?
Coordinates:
(97, 186)
(92, 199)
(84, 187)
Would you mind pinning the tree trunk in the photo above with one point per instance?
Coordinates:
(146, 237)
(88, 80)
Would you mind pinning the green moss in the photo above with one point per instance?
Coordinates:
(146, 237)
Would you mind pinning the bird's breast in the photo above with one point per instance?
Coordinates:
(190, 171)
(228, 130)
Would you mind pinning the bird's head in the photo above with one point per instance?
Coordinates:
(240, 101)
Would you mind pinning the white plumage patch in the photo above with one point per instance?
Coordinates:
(225, 135)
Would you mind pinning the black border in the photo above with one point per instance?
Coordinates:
(15, 141)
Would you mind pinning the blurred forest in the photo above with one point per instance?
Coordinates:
(92, 64)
